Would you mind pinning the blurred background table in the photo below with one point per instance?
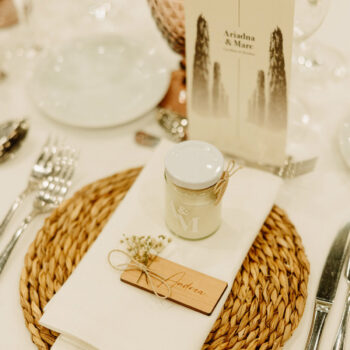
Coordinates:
(316, 203)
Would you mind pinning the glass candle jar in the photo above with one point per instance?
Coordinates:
(192, 170)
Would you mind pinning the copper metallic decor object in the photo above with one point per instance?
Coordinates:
(262, 311)
(8, 13)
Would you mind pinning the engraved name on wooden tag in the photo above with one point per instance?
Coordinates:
(189, 288)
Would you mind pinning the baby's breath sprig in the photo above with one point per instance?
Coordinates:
(143, 248)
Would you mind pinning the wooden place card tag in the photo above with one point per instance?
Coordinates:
(189, 288)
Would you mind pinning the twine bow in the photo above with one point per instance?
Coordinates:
(134, 264)
(221, 185)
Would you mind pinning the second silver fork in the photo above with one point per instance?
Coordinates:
(51, 193)
(42, 168)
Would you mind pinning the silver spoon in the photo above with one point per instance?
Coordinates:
(12, 133)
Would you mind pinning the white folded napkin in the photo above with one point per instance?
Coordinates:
(64, 342)
(94, 306)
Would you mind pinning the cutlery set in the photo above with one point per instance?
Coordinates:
(49, 179)
(327, 289)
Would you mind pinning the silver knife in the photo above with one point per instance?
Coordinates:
(327, 287)
(339, 342)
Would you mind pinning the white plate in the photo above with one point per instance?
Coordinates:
(100, 81)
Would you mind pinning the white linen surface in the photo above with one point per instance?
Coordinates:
(94, 306)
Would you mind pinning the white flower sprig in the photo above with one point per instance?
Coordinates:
(144, 248)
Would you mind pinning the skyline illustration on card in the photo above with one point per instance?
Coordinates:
(238, 71)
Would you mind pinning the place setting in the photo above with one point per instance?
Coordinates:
(175, 186)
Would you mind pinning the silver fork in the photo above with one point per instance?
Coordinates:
(43, 167)
(49, 196)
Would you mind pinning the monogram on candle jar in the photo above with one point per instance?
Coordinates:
(195, 183)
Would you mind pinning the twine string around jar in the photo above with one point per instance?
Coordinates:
(134, 264)
(221, 185)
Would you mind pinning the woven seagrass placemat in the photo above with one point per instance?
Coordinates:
(266, 301)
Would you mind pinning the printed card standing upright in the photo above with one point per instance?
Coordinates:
(238, 57)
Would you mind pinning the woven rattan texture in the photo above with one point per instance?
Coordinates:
(266, 301)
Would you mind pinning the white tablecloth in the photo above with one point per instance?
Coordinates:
(317, 203)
